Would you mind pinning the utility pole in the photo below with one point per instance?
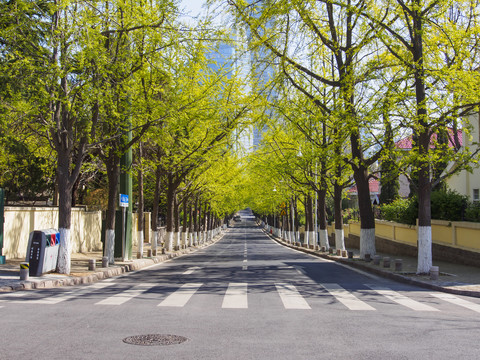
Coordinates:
(124, 250)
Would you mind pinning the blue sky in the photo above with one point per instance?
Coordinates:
(193, 6)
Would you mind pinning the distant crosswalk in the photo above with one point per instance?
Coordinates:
(236, 296)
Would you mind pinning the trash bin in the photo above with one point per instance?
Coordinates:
(42, 251)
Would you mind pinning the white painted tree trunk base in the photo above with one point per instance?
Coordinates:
(339, 239)
(64, 252)
(169, 241)
(184, 239)
(154, 241)
(140, 244)
(313, 240)
(367, 242)
(110, 245)
(306, 239)
(195, 238)
(424, 249)
(324, 239)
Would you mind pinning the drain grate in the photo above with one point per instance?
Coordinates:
(155, 339)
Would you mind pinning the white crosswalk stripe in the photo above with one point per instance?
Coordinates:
(347, 298)
(180, 297)
(124, 296)
(401, 299)
(290, 296)
(458, 301)
(236, 296)
(69, 294)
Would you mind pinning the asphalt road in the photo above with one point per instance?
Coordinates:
(245, 297)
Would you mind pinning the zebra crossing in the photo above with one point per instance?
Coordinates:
(236, 296)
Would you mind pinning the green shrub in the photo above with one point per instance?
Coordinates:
(472, 212)
(448, 205)
(401, 210)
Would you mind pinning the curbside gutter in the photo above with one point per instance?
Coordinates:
(104, 273)
(378, 271)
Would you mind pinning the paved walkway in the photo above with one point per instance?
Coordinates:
(454, 278)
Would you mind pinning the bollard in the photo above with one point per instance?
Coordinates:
(367, 257)
(344, 253)
(92, 264)
(24, 269)
(330, 251)
(386, 262)
(149, 253)
(350, 254)
(376, 259)
(105, 261)
(324, 249)
(398, 265)
(434, 272)
(339, 252)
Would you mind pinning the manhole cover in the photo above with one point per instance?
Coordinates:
(155, 339)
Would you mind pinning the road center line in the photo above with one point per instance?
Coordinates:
(191, 270)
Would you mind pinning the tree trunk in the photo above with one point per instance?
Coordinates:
(170, 212)
(424, 184)
(337, 200)
(156, 201)
(64, 212)
(113, 173)
(184, 224)
(195, 223)
(176, 214)
(322, 217)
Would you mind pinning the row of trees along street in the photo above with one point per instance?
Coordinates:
(85, 82)
(354, 77)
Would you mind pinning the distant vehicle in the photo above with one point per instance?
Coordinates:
(237, 218)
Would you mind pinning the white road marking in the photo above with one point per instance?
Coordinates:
(236, 296)
(180, 297)
(245, 267)
(70, 294)
(458, 301)
(290, 296)
(244, 261)
(401, 299)
(124, 296)
(191, 270)
(346, 298)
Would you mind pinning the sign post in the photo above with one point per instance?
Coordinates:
(124, 206)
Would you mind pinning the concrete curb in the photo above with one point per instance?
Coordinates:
(386, 274)
(105, 273)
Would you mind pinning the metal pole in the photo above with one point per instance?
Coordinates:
(124, 215)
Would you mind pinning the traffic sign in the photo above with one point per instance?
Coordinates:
(123, 200)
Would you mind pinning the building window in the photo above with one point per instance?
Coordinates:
(476, 195)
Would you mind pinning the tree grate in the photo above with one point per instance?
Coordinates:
(155, 339)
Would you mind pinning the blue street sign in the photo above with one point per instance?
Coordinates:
(123, 200)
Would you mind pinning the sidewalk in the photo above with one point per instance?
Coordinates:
(454, 278)
(79, 274)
